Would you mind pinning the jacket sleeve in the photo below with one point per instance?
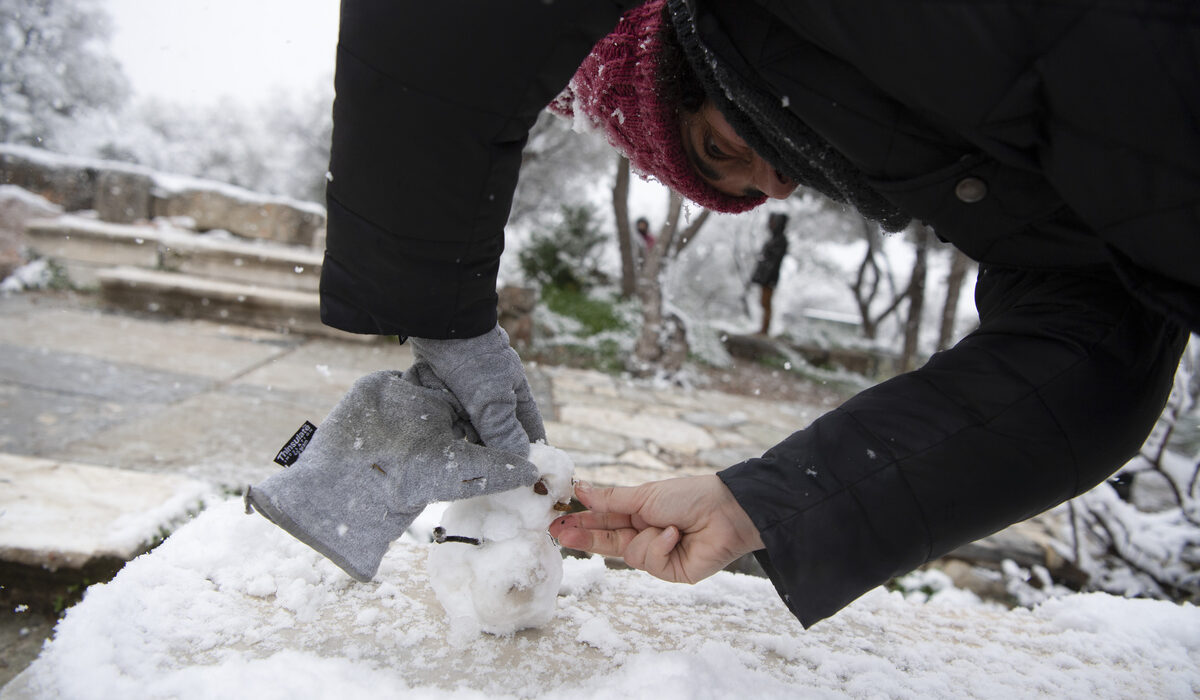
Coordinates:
(1101, 98)
(1056, 390)
(434, 101)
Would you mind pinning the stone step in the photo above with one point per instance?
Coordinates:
(64, 524)
(64, 514)
(253, 262)
(82, 247)
(188, 296)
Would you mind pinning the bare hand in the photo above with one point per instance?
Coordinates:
(682, 530)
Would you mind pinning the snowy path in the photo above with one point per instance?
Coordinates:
(215, 402)
(230, 606)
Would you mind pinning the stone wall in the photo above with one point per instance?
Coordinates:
(17, 208)
(123, 193)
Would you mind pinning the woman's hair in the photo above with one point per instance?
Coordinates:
(677, 83)
(774, 132)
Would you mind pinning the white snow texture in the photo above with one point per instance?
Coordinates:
(232, 606)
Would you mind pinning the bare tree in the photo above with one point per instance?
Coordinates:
(916, 299)
(620, 202)
(959, 265)
(662, 342)
(874, 274)
(871, 275)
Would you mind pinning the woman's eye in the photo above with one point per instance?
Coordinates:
(713, 150)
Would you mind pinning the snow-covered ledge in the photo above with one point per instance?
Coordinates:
(56, 514)
(230, 606)
(125, 193)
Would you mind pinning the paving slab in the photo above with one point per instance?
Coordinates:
(226, 437)
(582, 381)
(662, 430)
(36, 421)
(328, 367)
(643, 459)
(764, 434)
(612, 403)
(186, 347)
(788, 417)
(569, 436)
(722, 457)
(713, 419)
(60, 514)
(21, 637)
(731, 438)
(71, 373)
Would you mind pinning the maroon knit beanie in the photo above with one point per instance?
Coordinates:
(616, 87)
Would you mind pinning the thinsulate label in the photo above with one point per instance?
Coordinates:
(291, 451)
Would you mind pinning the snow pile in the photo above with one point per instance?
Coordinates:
(499, 572)
(36, 274)
(231, 606)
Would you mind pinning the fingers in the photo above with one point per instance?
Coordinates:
(652, 550)
(626, 500)
(528, 414)
(484, 470)
(507, 419)
(486, 377)
(594, 532)
(604, 528)
(592, 520)
(609, 543)
(498, 427)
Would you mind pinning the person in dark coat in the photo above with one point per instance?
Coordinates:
(1054, 143)
(770, 260)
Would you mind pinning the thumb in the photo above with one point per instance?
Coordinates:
(527, 412)
(498, 426)
(658, 551)
(488, 470)
(626, 500)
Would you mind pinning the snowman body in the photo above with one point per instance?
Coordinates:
(497, 570)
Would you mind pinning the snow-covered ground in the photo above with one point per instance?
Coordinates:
(230, 606)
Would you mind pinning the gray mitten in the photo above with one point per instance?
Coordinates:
(486, 376)
(392, 445)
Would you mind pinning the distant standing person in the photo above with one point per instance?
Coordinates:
(770, 259)
(643, 229)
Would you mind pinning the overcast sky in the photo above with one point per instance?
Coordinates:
(200, 50)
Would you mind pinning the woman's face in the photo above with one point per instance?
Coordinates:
(724, 160)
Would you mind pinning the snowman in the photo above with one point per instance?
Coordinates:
(494, 567)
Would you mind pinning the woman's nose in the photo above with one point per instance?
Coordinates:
(770, 181)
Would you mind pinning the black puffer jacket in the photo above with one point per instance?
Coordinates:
(434, 104)
(1011, 129)
(1054, 142)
